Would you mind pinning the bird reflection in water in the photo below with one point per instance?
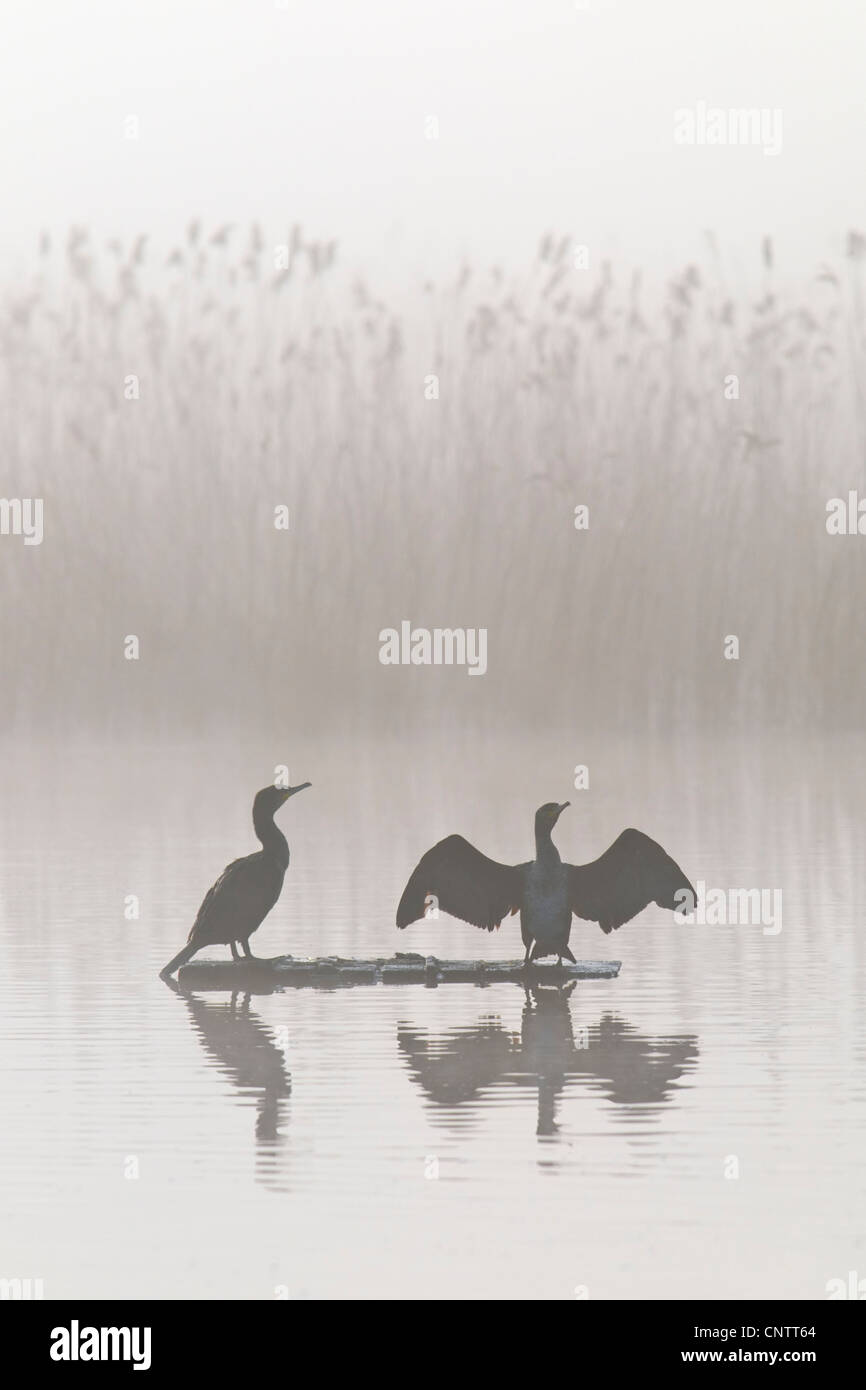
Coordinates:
(243, 1049)
(627, 1067)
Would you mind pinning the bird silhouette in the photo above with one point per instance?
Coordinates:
(246, 890)
(632, 873)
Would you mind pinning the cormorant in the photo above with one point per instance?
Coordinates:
(632, 873)
(246, 890)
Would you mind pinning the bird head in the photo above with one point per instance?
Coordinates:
(270, 799)
(547, 815)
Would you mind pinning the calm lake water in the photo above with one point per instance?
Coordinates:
(692, 1128)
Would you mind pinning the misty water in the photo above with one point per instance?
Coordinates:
(692, 1128)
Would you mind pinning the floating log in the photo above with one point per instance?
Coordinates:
(265, 976)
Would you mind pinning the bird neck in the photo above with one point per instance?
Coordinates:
(545, 850)
(274, 842)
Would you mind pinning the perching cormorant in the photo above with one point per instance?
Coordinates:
(634, 872)
(246, 890)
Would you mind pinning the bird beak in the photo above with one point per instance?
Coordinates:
(563, 806)
(290, 791)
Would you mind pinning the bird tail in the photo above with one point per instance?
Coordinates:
(539, 951)
(177, 961)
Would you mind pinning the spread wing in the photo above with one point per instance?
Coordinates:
(634, 872)
(464, 883)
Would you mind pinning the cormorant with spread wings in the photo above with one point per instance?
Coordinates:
(632, 873)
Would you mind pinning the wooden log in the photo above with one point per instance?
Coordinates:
(264, 976)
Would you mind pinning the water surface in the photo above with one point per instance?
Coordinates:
(692, 1128)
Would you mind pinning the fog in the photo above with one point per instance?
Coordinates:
(556, 114)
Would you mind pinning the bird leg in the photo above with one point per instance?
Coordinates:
(235, 952)
(247, 952)
(526, 957)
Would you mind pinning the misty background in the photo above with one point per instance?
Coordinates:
(241, 209)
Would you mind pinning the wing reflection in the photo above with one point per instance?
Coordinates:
(629, 1068)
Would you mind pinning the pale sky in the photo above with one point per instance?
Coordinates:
(549, 116)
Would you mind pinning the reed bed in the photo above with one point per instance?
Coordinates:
(301, 385)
